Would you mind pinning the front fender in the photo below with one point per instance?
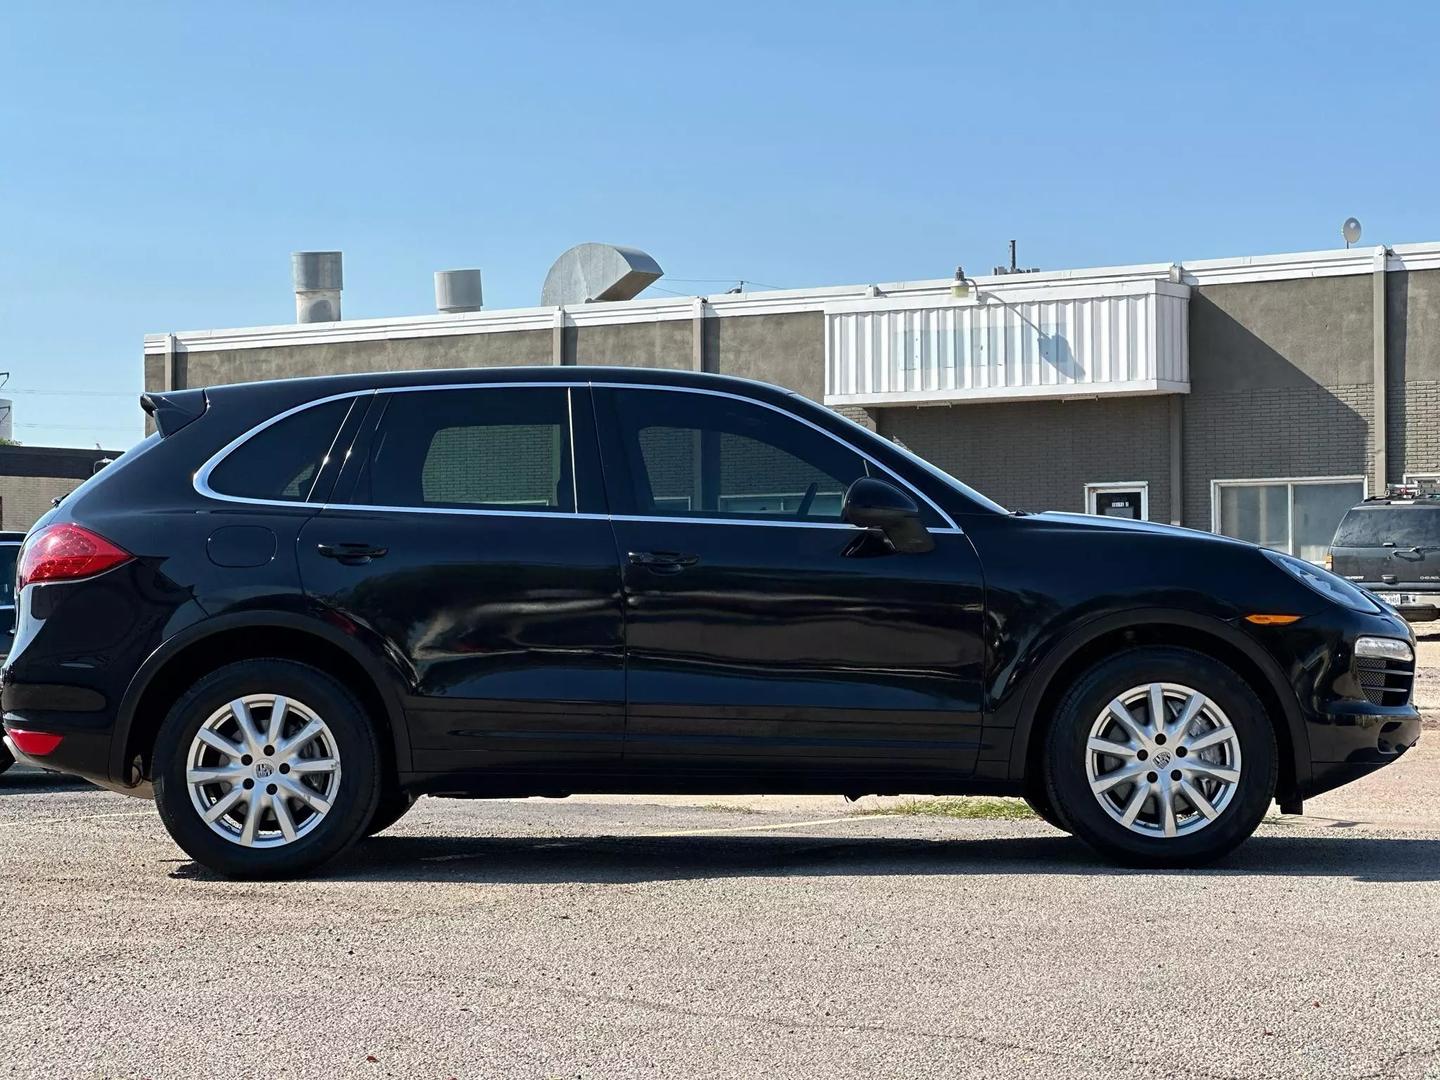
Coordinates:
(1021, 711)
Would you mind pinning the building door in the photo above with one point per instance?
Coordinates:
(1119, 500)
(462, 534)
(760, 635)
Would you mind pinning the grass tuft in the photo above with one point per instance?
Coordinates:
(969, 807)
(727, 808)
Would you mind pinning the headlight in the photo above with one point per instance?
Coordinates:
(1331, 586)
(1384, 648)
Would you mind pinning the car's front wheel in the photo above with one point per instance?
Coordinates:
(1161, 757)
(266, 768)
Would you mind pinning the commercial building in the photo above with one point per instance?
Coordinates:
(1255, 396)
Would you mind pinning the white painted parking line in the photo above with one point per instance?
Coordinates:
(75, 817)
(848, 819)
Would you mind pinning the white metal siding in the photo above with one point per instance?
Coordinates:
(1011, 342)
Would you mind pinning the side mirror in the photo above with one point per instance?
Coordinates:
(875, 504)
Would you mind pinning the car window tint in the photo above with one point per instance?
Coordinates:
(282, 461)
(1403, 526)
(490, 448)
(701, 455)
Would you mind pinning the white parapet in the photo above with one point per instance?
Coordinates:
(1009, 342)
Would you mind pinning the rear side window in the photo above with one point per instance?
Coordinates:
(282, 461)
(1403, 526)
(490, 448)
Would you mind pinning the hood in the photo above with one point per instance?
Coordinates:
(1095, 521)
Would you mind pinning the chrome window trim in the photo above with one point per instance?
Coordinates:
(202, 476)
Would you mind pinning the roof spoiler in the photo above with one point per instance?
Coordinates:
(173, 409)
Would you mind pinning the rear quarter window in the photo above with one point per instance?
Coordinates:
(282, 461)
(1403, 526)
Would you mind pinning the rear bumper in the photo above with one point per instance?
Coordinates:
(85, 741)
(1414, 605)
(142, 790)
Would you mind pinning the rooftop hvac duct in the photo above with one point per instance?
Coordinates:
(457, 291)
(318, 281)
(589, 272)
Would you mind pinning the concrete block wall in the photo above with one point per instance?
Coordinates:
(1413, 373)
(1040, 455)
(24, 499)
(1280, 384)
(352, 357)
(1275, 432)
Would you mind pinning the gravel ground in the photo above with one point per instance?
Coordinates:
(608, 937)
(1427, 673)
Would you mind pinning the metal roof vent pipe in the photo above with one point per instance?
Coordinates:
(458, 291)
(318, 280)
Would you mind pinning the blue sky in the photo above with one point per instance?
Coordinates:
(159, 162)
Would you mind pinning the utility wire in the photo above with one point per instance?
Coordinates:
(72, 393)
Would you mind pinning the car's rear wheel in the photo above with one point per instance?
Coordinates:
(5, 759)
(1161, 757)
(266, 768)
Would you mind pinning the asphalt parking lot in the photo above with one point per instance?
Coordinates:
(724, 937)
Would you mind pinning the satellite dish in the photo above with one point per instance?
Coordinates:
(1351, 231)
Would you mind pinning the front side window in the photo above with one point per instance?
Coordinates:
(708, 456)
(488, 448)
(1295, 516)
(281, 462)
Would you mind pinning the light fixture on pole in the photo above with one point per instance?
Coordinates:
(1351, 231)
(963, 285)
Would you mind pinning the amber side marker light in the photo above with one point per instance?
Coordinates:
(1272, 620)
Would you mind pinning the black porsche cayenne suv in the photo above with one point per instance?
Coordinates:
(300, 604)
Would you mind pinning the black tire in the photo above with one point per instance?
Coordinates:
(1037, 801)
(1068, 788)
(354, 802)
(393, 805)
(5, 759)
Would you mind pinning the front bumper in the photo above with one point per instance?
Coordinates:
(1362, 713)
(1347, 745)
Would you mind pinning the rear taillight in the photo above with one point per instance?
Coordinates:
(65, 552)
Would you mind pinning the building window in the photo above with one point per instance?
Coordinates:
(1128, 500)
(1298, 516)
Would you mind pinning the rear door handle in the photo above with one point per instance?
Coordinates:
(351, 553)
(663, 562)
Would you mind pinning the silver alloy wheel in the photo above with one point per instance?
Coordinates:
(263, 771)
(1163, 760)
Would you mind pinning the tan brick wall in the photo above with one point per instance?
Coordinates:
(24, 498)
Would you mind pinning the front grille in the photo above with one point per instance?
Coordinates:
(1385, 682)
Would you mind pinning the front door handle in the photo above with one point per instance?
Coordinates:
(351, 553)
(663, 562)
